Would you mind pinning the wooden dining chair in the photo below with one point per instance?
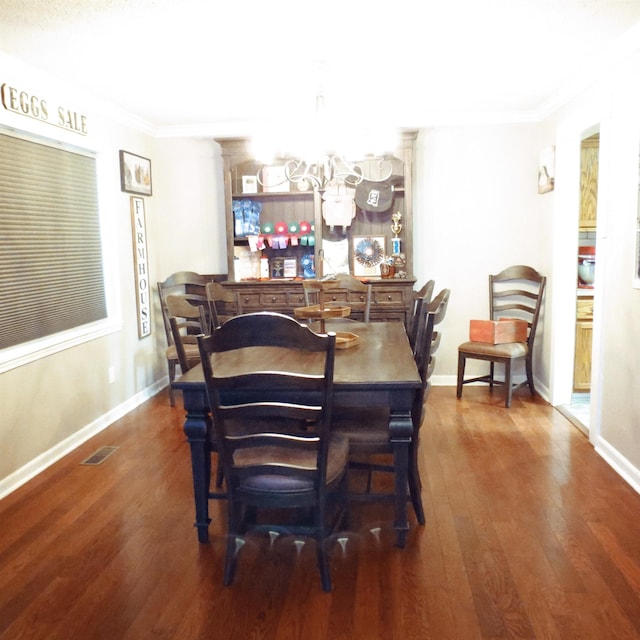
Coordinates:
(272, 418)
(421, 298)
(367, 428)
(348, 290)
(187, 321)
(515, 292)
(223, 304)
(181, 282)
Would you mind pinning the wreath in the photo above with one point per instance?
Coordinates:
(369, 252)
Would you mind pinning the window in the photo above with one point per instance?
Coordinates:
(51, 267)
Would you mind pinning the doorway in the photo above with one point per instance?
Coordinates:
(578, 410)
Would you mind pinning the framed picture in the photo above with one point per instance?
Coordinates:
(368, 254)
(249, 184)
(546, 170)
(135, 174)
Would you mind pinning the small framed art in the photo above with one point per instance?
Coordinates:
(135, 174)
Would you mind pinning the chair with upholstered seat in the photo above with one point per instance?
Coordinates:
(272, 418)
(516, 292)
(421, 298)
(187, 321)
(367, 428)
(181, 282)
(357, 295)
(223, 304)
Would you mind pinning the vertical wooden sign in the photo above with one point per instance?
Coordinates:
(141, 266)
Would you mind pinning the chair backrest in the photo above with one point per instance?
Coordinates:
(186, 321)
(423, 360)
(181, 282)
(420, 298)
(427, 343)
(438, 306)
(517, 292)
(358, 293)
(262, 398)
(223, 304)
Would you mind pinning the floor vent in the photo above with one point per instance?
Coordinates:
(99, 456)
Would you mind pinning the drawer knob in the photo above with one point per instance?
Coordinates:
(246, 299)
(273, 298)
(334, 299)
(389, 298)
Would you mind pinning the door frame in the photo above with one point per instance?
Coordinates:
(570, 133)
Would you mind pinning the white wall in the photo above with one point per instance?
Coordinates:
(52, 404)
(477, 211)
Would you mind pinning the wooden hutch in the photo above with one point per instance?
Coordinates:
(284, 236)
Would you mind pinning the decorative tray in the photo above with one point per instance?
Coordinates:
(346, 340)
(317, 312)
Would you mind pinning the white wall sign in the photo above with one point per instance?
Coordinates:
(141, 266)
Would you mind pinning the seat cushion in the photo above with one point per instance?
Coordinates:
(336, 464)
(367, 428)
(506, 350)
(191, 350)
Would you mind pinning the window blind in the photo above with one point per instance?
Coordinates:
(51, 270)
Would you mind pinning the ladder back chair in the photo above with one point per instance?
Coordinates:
(223, 304)
(181, 282)
(269, 381)
(367, 428)
(515, 292)
(357, 295)
(187, 321)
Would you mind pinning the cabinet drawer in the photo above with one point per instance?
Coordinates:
(295, 298)
(584, 309)
(388, 296)
(249, 301)
(273, 299)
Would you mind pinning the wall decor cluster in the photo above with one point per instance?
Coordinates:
(141, 266)
(135, 174)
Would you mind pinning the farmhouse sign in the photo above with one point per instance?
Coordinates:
(38, 108)
(141, 266)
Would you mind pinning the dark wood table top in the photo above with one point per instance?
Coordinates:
(382, 359)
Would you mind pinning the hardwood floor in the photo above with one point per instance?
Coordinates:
(529, 534)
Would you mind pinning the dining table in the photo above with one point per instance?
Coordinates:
(376, 369)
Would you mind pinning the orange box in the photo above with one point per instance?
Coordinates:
(498, 331)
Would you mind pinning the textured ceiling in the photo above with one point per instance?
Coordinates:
(221, 66)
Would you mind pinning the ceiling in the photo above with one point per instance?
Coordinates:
(223, 67)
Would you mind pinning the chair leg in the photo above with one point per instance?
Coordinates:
(529, 367)
(172, 377)
(323, 563)
(461, 364)
(234, 512)
(507, 382)
(415, 484)
(492, 370)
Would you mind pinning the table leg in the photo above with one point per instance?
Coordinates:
(197, 428)
(400, 430)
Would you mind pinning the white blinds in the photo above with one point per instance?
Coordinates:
(51, 273)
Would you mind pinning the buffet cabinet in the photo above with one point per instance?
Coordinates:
(278, 230)
(390, 300)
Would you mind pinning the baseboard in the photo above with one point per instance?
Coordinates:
(618, 463)
(57, 452)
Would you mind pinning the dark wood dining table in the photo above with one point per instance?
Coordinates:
(377, 371)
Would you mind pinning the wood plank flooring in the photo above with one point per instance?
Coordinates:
(529, 534)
